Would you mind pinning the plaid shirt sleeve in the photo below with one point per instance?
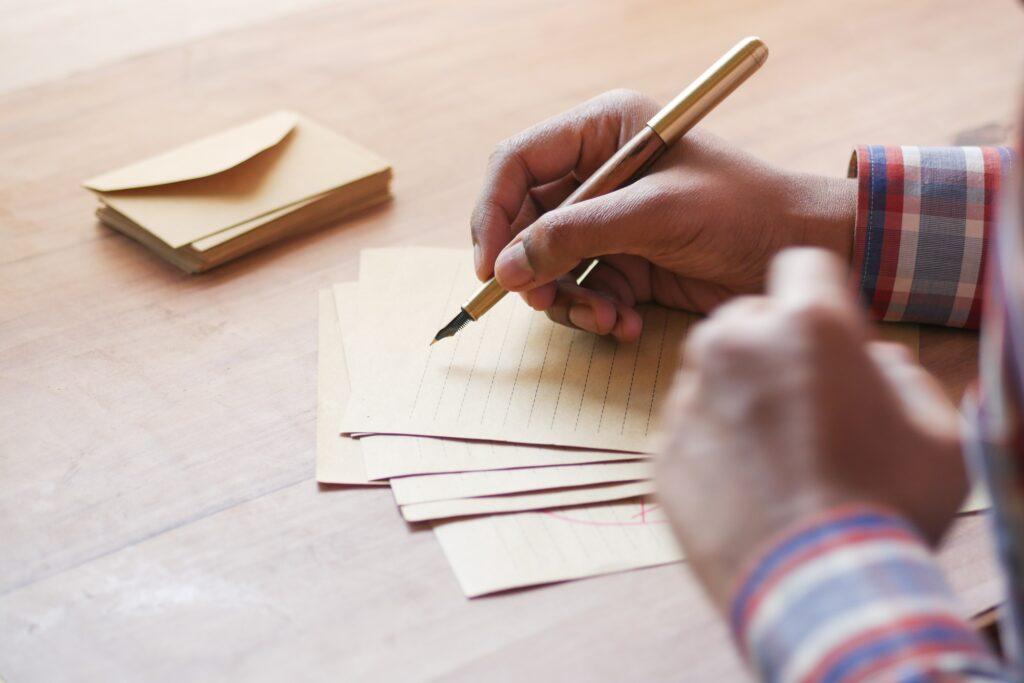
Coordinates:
(925, 216)
(852, 595)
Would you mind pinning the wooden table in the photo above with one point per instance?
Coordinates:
(159, 519)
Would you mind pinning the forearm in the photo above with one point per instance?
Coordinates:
(849, 595)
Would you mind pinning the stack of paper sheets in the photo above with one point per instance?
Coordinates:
(521, 441)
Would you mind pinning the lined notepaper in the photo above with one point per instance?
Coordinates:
(434, 487)
(514, 376)
(517, 502)
(395, 456)
(515, 514)
(339, 460)
(500, 552)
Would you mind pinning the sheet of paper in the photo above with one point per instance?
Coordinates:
(389, 456)
(339, 460)
(521, 502)
(514, 376)
(344, 460)
(400, 456)
(435, 487)
(500, 552)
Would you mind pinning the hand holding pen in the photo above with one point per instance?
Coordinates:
(699, 227)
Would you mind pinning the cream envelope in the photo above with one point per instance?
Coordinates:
(235, 178)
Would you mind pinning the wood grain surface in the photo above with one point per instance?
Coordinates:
(159, 519)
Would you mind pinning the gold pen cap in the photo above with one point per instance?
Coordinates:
(714, 85)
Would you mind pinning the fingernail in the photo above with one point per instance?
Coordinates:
(512, 267)
(477, 256)
(583, 317)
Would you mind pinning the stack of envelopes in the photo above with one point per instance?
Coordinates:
(523, 442)
(214, 199)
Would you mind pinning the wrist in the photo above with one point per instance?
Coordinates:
(824, 211)
(856, 579)
(723, 558)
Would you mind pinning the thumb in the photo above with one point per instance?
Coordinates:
(556, 242)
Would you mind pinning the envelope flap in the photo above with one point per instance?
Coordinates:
(202, 158)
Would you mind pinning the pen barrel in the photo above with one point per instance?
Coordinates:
(484, 299)
(713, 86)
(626, 165)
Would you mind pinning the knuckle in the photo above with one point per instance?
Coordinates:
(551, 233)
(816, 320)
(621, 95)
(477, 220)
(504, 150)
(483, 214)
(715, 344)
(625, 97)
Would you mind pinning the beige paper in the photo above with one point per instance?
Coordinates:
(500, 552)
(397, 456)
(339, 460)
(228, 234)
(514, 376)
(520, 502)
(195, 191)
(389, 456)
(200, 158)
(434, 487)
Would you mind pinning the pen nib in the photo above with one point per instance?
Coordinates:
(449, 330)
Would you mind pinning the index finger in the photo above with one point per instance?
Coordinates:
(576, 142)
(806, 277)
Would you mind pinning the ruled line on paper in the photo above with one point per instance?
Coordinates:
(657, 375)
(561, 381)
(519, 369)
(500, 552)
(632, 379)
(390, 456)
(490, 385)
(518, 377)
(586, 382)
(430, 350)
(476, 357)
(536, 389)
(607, 386)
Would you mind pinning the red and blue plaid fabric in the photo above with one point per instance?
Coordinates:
(925, 217)
(855, 595)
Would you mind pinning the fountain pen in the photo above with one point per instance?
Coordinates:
(634, 158)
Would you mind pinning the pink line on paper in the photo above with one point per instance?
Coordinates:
(643, 518)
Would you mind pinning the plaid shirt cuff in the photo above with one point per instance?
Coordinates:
(854, 594)
(925, 216)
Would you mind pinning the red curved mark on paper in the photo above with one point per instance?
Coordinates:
(643, 518)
